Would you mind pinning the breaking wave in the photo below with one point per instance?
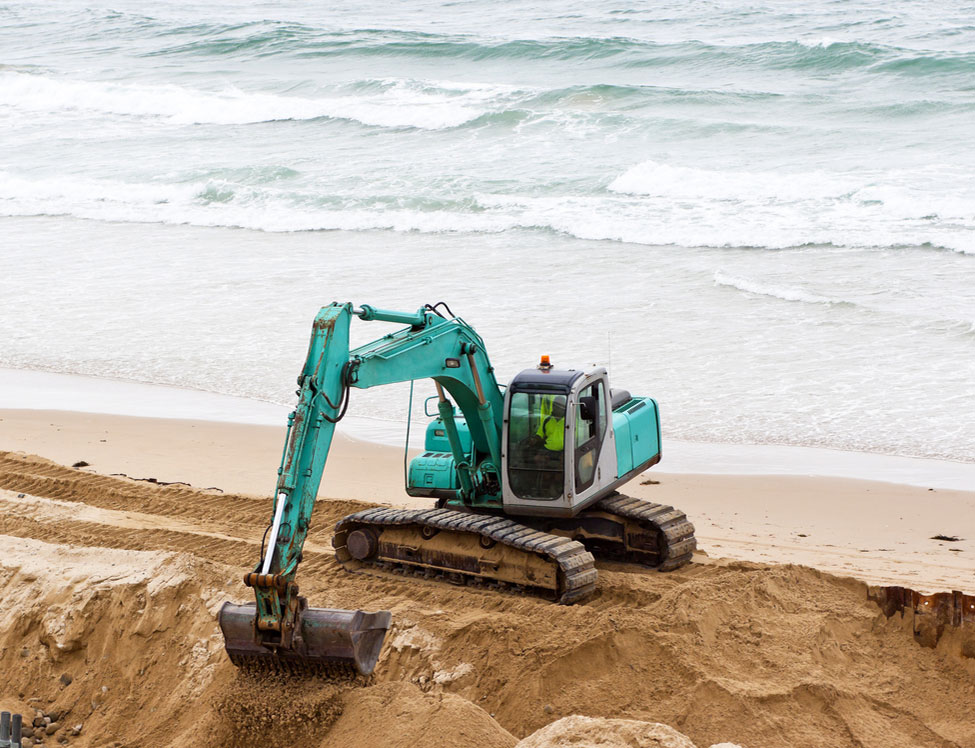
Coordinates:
(785, 293)
(399, 104)
(274, 199)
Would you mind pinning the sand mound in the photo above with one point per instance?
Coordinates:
(110, 590)
(249, 708)
(590, 732)
(400, 715)
(96, 637)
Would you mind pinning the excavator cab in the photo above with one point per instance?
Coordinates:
(559, 451)
(567, 440)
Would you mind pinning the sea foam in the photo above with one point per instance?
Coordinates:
(728, 214)
(786, 293)
(397, 105)
(653, 178)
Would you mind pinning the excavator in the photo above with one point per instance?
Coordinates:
(524, 482)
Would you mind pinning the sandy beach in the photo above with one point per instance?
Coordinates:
(880, 533)
(767, 639)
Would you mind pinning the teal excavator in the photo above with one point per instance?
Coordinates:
(524, 480)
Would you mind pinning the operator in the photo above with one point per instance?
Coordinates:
(551, 429)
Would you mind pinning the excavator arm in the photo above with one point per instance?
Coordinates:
(281, 627)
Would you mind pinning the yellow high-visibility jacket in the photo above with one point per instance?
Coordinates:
(551, 429)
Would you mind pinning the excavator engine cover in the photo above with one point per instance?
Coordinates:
(326, 641)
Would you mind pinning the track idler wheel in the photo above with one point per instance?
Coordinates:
(362, 544)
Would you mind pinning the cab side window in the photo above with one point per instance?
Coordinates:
(590, 428)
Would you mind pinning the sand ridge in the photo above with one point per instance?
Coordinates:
(122, 595)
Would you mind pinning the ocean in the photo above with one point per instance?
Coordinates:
(761, 214)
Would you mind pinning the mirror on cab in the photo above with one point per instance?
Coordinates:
(587, 408)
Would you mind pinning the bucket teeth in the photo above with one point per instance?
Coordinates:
(273, 665)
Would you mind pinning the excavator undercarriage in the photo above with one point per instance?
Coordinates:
(466, 548)
(548, 557)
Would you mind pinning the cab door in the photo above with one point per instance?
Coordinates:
(592, 456)
(535, 453)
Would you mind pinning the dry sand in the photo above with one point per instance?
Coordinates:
(115, 584)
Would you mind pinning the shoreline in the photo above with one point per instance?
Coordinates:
(42, 391)
(880, 533)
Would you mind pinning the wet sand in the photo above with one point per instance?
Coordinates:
(878, 532)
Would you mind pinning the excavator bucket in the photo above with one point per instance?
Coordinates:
(338, 643)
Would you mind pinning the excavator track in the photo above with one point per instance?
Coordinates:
(654, 534)
(466, 548)
(627, 529)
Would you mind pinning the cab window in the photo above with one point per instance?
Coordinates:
(536, 445)
(590, 428)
